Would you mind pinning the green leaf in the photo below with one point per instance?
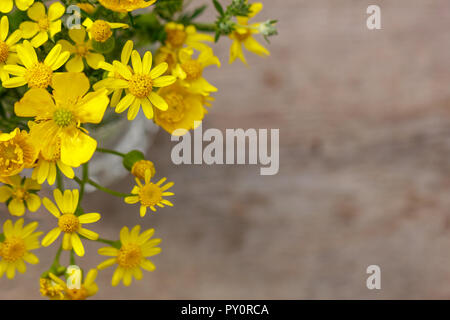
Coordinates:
(218, 7)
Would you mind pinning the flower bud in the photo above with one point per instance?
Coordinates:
(131, 158)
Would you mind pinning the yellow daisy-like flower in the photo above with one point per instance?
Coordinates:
(15, 249)
(140, 167)
(190, 71)
(43, 24)
(34, 73)
(139, 83)
(185, 109)
(178, 35)
(126, 5)
(68, 223)
(51, 289)
(6, 6)
(88, 287)
(243, 35)
(7, 46)
(109, 82)
(132, 255)
(82, 50)
(16, 153)
(21, 192)
(59, 117)
(101, 30)
(150, 194)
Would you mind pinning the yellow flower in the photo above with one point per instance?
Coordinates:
(15, 249)
(81, 50)
(150, 194)
(34, 73)
(100, 30)
(43, 25)
(178, 34)
(185, 109)
(68, 222)
(243, 35)
(20, 192)
(124, 6)
(7, 46)
(51, 289)
(190, 71)
(59, 117)
(88, 287)
(109, 82)
(6, 6)
(139, 83)
(140, 167)
(16, 153)
(131, 256)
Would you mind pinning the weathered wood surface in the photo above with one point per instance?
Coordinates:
(364, 179)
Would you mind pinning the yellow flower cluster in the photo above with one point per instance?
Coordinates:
(57, 83)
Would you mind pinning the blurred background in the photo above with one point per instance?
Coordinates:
(364, 119)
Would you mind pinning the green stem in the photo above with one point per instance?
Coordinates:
(72, 257)
(117, 153)
(207, 27)
(55, 263)
(131, 19)
(104, 189)
(85, 177)
(59, 180)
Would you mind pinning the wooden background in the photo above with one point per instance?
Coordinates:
(365, 156)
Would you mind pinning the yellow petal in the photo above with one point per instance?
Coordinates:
(67, 244)
(6, 6)
(33, 202)
(51, 237)
(5, 193)
(89, 217)
(159, 70)
(16, 207)
(124, 235)
(39, 39)
(77, 148)
(126, 52)
(91, 235)
(56, 11)
(107, 263)
(70, 86)
(164, 81)
(50, 206)
(31, 258)
(147, 265)
(29, 29)
(117, 276)
(108, 251)
(4, 28)
(93, 59)
(77, 244)
(147, 62)
(37, 11)
(158, 102)
(93, 106)
(35, 102)
(125, 103)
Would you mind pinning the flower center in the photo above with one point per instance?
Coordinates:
(4, 52)
(129, 256)
(243, 36)
(44, 24)
(82, 50)
(175, 112)
(77, 294)
(101, 31)
(140, 85)
(176, 38)
(20, 193)
(150, 195)
(193, 69)
(13, 249)
(63, 117)
(39, 76)
(68, 223)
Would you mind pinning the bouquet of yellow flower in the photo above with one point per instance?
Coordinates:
(65, 66)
